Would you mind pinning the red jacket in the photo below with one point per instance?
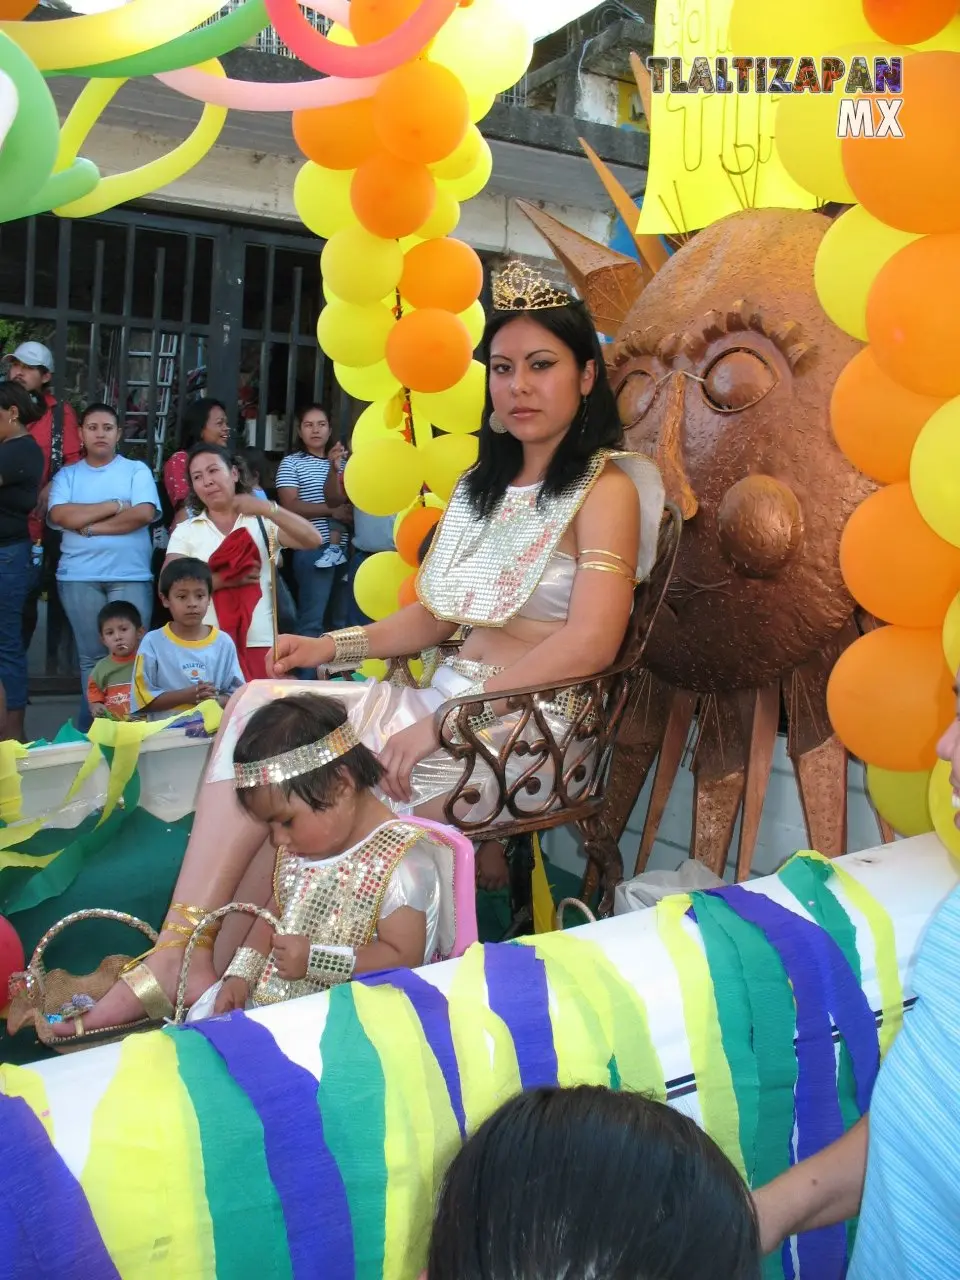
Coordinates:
(42, 432)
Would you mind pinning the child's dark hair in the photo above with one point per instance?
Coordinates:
(298, 721)
(591, 1182)
(426, 544)
(184, 569)
(119, 609)
(99, 406)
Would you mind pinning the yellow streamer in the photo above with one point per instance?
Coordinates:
(884, 947)
(144, 1173)
(118, 33)
(583, 1043)
(21, 1082)
(718, 1101)
(489, 1073)
(544, 912)
(11, 791)
(133, 183)
(421, 1130)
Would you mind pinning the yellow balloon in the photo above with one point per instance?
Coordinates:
(339, 34)
(472, 183)
(848, 261)
(354, 335)
(361, 267)
(942, 811)
(903, 799)
(951, 636)
(459, 162)
(371, 427)
(935, 472)
(321, 198)
(375, 382)
(445, 459)
(384, 477)
(485, 45)
(815, 28)
(426, 500)
(444, 219)
(475, 318)
(373, 668)
(116, 33)
(460, 409)
(480, 103)
(378, 582)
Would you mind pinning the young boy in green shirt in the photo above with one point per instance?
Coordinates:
(108, 689)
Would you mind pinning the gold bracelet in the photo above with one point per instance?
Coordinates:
(351, 645)
(599, 551)
(607, 568)
(248, 964)
(328, 966)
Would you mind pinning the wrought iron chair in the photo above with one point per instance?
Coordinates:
(505, 788)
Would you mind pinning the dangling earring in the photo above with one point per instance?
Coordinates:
(496, 425)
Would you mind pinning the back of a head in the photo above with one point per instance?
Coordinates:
(590, 1184)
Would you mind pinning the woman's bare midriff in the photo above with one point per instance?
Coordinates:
(502, 646)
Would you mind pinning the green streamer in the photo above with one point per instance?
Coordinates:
(352, 1100)
(188, 50)
(237, 1180)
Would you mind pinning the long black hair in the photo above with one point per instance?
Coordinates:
(597, 425)
(13, 396)
(195, 417)
(589, 1182)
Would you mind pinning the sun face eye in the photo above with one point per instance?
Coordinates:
(738, 379)
(635, 396)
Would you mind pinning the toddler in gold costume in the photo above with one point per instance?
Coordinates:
(355, 889)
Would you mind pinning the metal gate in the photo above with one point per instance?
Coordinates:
(148, 311)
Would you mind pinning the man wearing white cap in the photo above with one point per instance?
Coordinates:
(58, 435)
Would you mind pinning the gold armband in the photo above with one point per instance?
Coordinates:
(601, 567)
(247, 964)
(329, 966)
(351, 646)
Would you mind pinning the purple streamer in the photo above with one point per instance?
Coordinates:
(308, 1182)
(46, 1226)
(430, 1006)
(517, 993)
(821, 981)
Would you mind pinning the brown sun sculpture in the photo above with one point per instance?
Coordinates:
(723, 364)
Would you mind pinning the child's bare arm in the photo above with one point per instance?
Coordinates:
(237, 983)
(400, 944)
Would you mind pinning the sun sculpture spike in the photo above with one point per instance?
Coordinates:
(644, 87)
(608, 282)
(650, 248)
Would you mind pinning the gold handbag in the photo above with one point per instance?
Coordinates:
(38, 993)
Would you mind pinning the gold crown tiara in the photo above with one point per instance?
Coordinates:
(521, 288)
(295, 763)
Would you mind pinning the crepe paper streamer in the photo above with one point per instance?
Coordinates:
(375, 59)
(635, 1063)
(30, 145)
(134, 183)
(11, 790)
(517, 993)
(884, 937)
(489, 1072)
(544, 910)
(231, 1140)
(46, 1227)
(302, 1169)
(117, 33)
(430, 1006)
(352, 1086)
(227, 33)
(138, 1195)
(584, 1046)
(421, 1133)
(718, 1102)
(22, 1082)
(256, 95)
(9, 104)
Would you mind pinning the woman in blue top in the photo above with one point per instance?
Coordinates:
(104, 504)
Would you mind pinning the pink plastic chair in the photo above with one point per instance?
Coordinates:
(464, 883)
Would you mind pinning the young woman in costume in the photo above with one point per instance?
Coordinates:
(538, 553)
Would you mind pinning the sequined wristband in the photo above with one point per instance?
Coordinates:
(487, 717)
(328, 966)
(351, 645)
(247, 964)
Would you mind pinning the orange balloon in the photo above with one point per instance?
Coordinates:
(340, 137)
(908, 21)
(421, 112)
(413, 530)
(15, 10)
(429, 350)
(876, 421)
(408, 591)
(911, 316)
(913, 182)
(371, 20)
(890, 698)
(442, 273)
(894, 564)
(390, 197)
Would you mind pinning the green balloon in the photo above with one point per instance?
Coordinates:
(60, 188)
(187, 50)
(30, 148)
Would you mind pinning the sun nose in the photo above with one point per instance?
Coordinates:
(666, 447)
